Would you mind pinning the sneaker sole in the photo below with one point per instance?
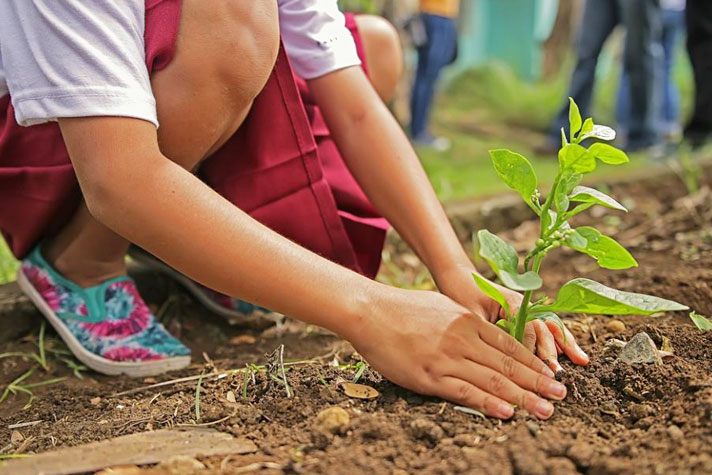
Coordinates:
(234, 318)
(99, 364)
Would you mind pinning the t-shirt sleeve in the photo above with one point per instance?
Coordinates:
(75, 58)
(315, 37)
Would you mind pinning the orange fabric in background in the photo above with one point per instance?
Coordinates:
(448, 8)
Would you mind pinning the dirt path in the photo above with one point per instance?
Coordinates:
(617, 418)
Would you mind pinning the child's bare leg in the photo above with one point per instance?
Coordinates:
(384, 53)
(202, 98)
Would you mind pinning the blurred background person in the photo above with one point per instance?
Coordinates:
(436, 49)
(668, 118)
(642, 20)
(699, 46)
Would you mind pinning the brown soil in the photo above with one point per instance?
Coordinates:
(616, 419)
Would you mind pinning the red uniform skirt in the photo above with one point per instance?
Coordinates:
(282, 167)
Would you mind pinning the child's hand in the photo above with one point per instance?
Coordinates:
(426, 342)
(544, 339)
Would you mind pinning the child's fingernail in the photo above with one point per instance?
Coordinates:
(556, 390)
(582, 355)
(544, 409)
(505, 411)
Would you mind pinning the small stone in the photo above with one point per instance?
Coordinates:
(181, 465)
(581, 454)
(16, 437)
(243, 340)
(640, 349)
(615, 326)
(533, 428)
(675, 433)
(466, 440)
(95, 401)
(230, 396)
(359, 391)
(425, 429)
(120, 470)
(641, 411)
(333, 419)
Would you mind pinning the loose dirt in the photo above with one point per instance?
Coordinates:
(617, 418)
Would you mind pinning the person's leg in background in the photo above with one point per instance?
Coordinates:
(433, 56)
(384, 53)
(642, 57)
(599, 19)
(699, 46)
(673, 29)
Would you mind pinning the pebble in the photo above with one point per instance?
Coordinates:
(426, 430)
(675, 433)
(230, 396)
(615, 326)
(95, 401)
(181, 465)
(333, 419)
(533, 428)
(640, 349)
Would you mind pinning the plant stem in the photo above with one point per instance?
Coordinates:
(521, 321)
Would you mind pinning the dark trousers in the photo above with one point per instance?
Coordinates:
(642, 20)
(438, 51)
(699, 46)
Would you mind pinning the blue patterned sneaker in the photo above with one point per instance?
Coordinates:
(108, 327)
(235, 311)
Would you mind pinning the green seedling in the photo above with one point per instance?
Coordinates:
(565, 200)
(197, 396)
(701, 322)
(18, 386)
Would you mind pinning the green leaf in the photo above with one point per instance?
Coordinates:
(608, 154)
(576, 159)
(586, 128)
(568, 182)
(608, 253)
(574, 119)
(503, 259)
(587, 296)
(564, 142)
(600, 132)
(503, 324)
(576, 240)
(701, 322)
(584, 194)
(516, 172)
(492, 292)
(544, 316)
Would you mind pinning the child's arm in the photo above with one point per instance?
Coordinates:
(421, 340)
(387, 168)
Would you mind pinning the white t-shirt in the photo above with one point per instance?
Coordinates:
(73, 58)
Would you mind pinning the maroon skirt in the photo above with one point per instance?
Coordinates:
(282, 166)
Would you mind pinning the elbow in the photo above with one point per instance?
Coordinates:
(102, 197)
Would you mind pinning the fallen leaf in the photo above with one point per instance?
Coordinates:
(667, 346)
(243, 340)
(16, 437)
(359, 391)
(230, 396)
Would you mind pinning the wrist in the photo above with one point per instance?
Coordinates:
(355, 310)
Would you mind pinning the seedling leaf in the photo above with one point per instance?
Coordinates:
(503, 324)
(503, 259)
(605, 250)
(584, 194)
(608, 154)
(587, 296)
(491, 291)
(574, 119)
(700, 321)
(577, 159)
(544, 316)
(516, 172)
(600, 132)
(586, 129)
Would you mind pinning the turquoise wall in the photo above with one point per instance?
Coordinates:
(510, 31)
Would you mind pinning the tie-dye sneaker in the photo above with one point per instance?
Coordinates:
(235, 311)
(108, 327)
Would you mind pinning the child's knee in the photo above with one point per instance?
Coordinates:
(225, 53)
(384, 53)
